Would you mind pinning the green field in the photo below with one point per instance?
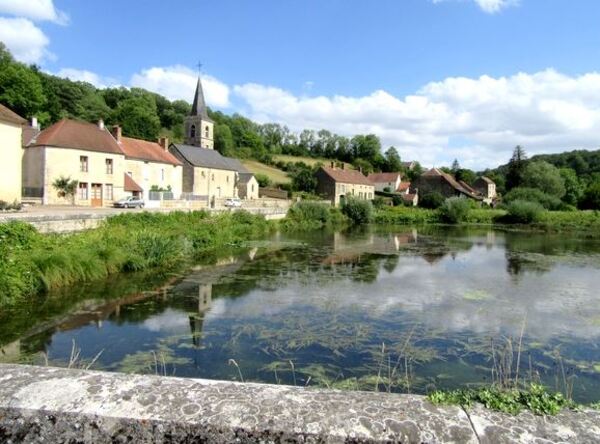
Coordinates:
(277, 176)
(307, 160)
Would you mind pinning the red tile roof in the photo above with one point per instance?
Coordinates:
(131, 185)
(383, 177)
(347, 176)
(403, 187)
(7, 115)
(450, 180)
(144, 150)
(79, 135)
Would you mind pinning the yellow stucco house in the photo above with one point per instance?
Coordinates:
(11, 133)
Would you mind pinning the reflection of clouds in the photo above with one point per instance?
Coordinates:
(170, 320)
(471, 292)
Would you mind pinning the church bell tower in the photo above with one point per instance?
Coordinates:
(198, 126)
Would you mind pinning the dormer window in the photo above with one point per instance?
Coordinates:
(193, 131)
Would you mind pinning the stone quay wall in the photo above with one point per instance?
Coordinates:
(44, 404)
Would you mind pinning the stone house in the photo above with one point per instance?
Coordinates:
(150, 165)
(247, 185)
(11, 134)
(436, 180)
(335, 184)
(486, 187)
(381, 181)
(81, 151)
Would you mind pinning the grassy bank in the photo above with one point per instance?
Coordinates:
(31, 262)
(582, 222)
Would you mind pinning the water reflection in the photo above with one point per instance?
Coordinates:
(327, 301)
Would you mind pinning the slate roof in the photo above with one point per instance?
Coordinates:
(9, 116)
(206, 158)
(78, 135)
(467, 187)
(434, 172)
(487, 180)
(347, 176)
(245, 177)
(199, 105)
(147, 151)
(239, 166)
(383, 177)
(130, 184)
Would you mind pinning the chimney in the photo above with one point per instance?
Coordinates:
(34, 123)
(333, 165)
(164, 143)
(343, 165)
(117, 132)
(101, 124)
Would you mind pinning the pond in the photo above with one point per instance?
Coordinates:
(389, 309)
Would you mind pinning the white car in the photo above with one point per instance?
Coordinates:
(234, 202)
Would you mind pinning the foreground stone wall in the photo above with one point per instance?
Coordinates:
(42, 404)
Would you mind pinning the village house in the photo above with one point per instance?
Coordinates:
(486, 187)
(206, 173)
(150, 166)
(438, 181)
(247, 185)
(337, 183)
(409, 195)
(388, 182)
(80, 151)
(11, 133)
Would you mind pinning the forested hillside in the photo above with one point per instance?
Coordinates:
(146, 115)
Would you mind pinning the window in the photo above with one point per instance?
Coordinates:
(213, 177)
(82, 191)
(203, 174)
(108, 191)
(206, 132)
(109, 166)
(83, 164)
(162, 174)
(129, 173)
(227, 179)
(193, 132)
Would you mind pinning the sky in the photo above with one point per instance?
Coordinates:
(437, 79)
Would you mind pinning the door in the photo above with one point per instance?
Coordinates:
(96, 194)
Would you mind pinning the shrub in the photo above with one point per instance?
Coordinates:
(358, 211)
(397, 200)
(455, 210)
(263, 180)
(379, 202)
(309, 211)
(534, 195)
(591, 197)
(524, 212)
(431, 200)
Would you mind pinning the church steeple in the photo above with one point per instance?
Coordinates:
(199, 106)
(198, 126)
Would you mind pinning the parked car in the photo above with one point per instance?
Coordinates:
(233, 202)
(129, 202)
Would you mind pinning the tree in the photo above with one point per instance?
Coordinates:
(516, 168)
(66, 187)
(304, 180)
(394, 164)
(455, 166)
(465, 175)
(263, 180)
(591, 197)
(364, 166)
(573, 188)
(224, 140)
(545, 177)
(20, 88)
(138, 117)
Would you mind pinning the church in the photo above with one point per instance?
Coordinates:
(206, 173)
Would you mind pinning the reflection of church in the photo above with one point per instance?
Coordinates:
(197, 319)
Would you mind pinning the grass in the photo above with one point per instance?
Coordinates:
(310, 161)
(276, 175)
(32, 263)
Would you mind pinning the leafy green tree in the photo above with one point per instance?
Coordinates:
(415, 172)
(545, 177)
(591, 197)
(263, 180)
(20, 88)
(431, 200)
(516, 168)
(363, 165)
(138, 117)
(465, 175)
(548, 201)
(393, 161)
(455, 210)
(224, 140)
(357, 210)
(304, 180)
(573, 188)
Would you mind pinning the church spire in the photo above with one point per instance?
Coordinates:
(199, 106)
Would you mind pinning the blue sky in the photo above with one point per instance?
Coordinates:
(437, 78)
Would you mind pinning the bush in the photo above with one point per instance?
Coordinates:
(534, 195)
(455, 210)
(379, 202)
(591, 197)
(431, 200)
(397, 200)
(358, 211)
(309, 211)
(263, 180)
(524, 212)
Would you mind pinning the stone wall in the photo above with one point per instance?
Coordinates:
(43, 404)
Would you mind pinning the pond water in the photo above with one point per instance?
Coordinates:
(399, 309)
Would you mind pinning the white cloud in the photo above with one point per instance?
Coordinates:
(36, 10)
(81, 75)
(490, 6)
(26, 41)
(477, 120)
(179, 82)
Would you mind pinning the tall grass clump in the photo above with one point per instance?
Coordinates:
(311, 215)
(31, 262)
(358, 211)
(455, 210)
